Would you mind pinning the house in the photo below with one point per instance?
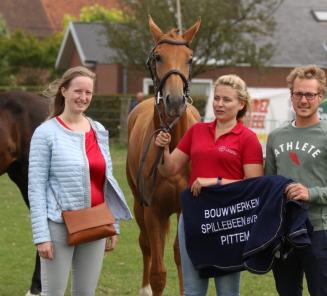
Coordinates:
(87, 44)
(300, 38)
(43, 17)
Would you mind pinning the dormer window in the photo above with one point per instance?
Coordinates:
(320, 15)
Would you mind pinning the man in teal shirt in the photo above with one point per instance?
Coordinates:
(299, 151)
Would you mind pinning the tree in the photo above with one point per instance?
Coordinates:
(232, 32)
(26, 59)
(96, 13)
(3, 26)
(5, 77)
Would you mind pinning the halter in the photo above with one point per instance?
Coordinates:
(167, 127)
(158, 83)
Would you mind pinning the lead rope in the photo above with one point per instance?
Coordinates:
(140, 180)
(158, 85)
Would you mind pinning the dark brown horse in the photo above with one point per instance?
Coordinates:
(156, 201)
(20, 114)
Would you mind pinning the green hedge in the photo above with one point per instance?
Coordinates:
(30, 88)
(107, 110)
(200, 103)
(112, 112)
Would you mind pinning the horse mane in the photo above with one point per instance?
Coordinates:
(16, 101)
(16, 107)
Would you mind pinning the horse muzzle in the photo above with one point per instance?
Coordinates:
(174, 106)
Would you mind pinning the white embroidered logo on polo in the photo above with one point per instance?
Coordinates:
(226, 149)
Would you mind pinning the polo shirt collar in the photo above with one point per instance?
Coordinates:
(236, 129)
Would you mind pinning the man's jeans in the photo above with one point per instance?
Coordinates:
(311, 261)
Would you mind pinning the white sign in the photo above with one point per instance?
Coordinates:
(270, 108)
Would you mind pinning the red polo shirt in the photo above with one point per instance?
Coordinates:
(97, 165)
(224, 157)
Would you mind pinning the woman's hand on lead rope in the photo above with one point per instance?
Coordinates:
(45, 250)
(202, 182)
(111, 243)
(163, 139)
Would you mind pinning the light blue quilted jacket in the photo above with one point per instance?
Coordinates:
(59, 171)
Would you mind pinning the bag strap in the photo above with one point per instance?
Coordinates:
(58, 203)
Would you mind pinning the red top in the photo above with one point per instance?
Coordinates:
(97, 165)
(224, 157)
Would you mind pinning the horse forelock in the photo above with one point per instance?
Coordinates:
(173, 34)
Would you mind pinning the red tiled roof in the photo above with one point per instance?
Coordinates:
(27, 15)
(55, 10)
(41, 17)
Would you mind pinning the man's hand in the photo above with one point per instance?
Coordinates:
(297, 191)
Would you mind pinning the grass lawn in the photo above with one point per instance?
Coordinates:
(122, 269)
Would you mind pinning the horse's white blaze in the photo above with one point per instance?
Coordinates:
(146, 291)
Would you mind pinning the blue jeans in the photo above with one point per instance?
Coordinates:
(228, 285)
(311, 261)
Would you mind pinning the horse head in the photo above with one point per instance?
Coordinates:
(170, 67)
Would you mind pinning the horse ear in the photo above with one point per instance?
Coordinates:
(155, 30)
(190, 33)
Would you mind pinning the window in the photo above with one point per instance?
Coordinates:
(148, 86)
(201, 88)
(320, 15)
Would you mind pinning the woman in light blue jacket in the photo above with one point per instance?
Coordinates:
(70, 168)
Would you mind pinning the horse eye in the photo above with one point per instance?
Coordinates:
(190, 61)
(157, 58)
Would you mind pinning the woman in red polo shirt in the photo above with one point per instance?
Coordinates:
(220, 152)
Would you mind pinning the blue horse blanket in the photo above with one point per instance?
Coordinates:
(243, 225)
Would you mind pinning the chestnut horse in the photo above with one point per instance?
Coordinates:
(156, 200)
(20, 114)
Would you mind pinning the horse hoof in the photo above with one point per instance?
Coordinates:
(146, 291)
(31, 294)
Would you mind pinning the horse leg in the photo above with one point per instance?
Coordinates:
(146, 251)
(36, 280)
(145, 248)
(178, 263)
(157, 228)
(18, 174)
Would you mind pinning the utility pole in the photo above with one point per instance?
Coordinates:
(179, 16)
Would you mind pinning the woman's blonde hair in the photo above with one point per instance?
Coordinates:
(54, 89)
(238, 84)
